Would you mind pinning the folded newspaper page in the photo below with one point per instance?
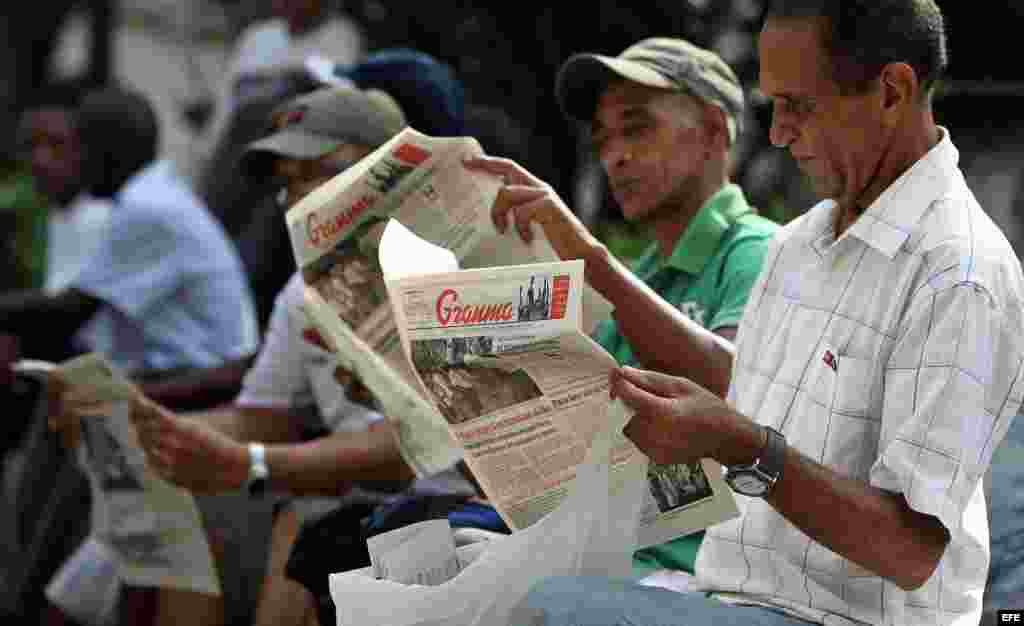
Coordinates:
(335, 232)
(151, 527)
(502, 355)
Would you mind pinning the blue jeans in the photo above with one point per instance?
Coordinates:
(595, 601)
(1005, 587)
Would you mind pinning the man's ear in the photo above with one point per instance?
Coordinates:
(900, 89)
(716, 128)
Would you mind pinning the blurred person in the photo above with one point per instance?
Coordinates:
(878, 364)
(426, 89)
(270, 54)
(77, 221)
(163, 290)
(663, 116)
(293, 388)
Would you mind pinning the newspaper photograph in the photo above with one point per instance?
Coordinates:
(335, 233)
(151, 527)
(501, 354)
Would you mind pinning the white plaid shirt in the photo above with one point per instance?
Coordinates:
(894, 356)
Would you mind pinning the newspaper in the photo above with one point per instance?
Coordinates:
(502, 355)
(150, 526)
(335, 232)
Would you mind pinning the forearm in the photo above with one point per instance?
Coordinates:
(329, 465)
(661, 336)
(245, 424)
(871, 527)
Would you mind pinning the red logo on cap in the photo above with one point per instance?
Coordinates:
(830, 360)
(294, 117)
(411, 154)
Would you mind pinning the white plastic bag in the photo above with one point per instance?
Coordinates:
(87, 587)
(592, 532)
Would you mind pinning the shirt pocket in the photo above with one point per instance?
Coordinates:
(851, 445)
(855, 389)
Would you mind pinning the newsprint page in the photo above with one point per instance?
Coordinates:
(145, 529)
(502, 355)
(335, 233)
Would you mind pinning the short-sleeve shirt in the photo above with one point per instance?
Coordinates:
(295, 370)
(173, 289)
(710, 272)
(708, 277)
(893, 356)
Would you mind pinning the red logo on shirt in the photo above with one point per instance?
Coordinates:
(314, 337)
(830, 360)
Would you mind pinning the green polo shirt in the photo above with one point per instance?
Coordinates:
(708, 277)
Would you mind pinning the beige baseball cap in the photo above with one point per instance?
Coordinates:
(319, 122)
(660, 62)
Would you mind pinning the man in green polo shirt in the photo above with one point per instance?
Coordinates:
(663, 116)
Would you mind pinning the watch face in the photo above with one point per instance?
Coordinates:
(749, 484)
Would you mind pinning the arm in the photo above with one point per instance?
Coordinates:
(210, 454)
(679, 422)
(322, 465)
(905, 546)
(661, 336)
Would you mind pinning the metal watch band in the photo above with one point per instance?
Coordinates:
(259, 471)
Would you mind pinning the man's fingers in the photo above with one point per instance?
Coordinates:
(636, 398)
(507, 169)
(508, 200)
(656, 383)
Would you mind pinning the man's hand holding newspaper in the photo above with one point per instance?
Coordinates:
(530, 199)
(148, 527)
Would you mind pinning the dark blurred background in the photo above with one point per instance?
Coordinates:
(507, 54)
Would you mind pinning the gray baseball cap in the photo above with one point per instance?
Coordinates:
(660, 62)
(319, 122)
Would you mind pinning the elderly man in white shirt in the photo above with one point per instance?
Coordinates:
(877, 365)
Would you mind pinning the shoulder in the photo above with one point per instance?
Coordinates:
(959, 243)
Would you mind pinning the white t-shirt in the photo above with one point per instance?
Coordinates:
(894, 356)
(174, 291)
(74, 234)
(295, 371)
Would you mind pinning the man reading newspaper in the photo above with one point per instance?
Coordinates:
(663, 116)
(258, 444)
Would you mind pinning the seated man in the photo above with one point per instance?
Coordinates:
(878, 363)
(164, 289)
(664, 115)
(260, 439)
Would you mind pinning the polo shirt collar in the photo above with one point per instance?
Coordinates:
(703, 234)
(891, 219)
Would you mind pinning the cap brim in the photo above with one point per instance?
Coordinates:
(583, 78)
(260, 154)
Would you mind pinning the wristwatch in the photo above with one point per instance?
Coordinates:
(259, 471)
(757, 479)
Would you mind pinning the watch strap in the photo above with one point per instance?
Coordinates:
(773, 457)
